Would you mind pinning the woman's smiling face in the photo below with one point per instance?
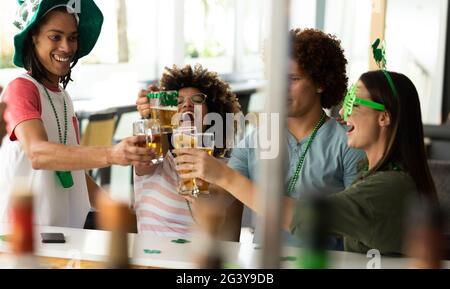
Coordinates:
(56, 43)
(363, 122)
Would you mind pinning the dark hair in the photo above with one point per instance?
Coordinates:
(220, 98)
(322, 58)
(405, 136)
(31, 61)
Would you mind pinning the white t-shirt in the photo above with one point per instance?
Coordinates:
(54, 205)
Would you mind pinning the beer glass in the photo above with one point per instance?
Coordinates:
(164, 106)
(153, 139)
(185, 137)
(205, 142)
(150, 131)
(139, 128)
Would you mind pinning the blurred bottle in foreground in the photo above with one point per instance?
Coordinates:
(116, 217)
(313, 233)
(209, 218)
(424, 239)
(22, 227)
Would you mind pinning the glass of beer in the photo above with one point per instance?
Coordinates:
(153, 139)
(185, 137)
(153, 99)
(139, 128)
(164, 106)
(205, 142)
(150, 132)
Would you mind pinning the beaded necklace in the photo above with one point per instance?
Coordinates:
(301, 160)
(65, 178)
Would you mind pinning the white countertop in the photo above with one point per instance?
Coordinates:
(92, 245)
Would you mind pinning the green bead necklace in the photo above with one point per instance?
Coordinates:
(301, 160)
(65, 178)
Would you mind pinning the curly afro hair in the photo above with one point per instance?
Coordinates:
(321, 56)
(220, 98)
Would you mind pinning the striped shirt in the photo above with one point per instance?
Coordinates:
(160, 210)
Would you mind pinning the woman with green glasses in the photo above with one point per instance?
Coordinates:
(384, 120)
(383, 115)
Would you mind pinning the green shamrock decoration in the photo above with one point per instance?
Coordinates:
(379, 54)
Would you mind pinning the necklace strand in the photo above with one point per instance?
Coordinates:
(301, 160)
(61, 140)
(190, 211)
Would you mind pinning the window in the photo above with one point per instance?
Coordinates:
(415, 44)
(350, 20)
(303, 14)
(139, 38)
(249, 37)
(224, 35)
(7, 31)
(209, 33)
(124, 55)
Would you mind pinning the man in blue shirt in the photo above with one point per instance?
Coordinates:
(330, 166)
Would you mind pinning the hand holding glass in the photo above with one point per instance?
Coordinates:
(205, 142)
(151, 130)
(185, 137)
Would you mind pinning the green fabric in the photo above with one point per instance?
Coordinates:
(369, 214)
(30, 11)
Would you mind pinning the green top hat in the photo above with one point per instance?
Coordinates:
(89, 17)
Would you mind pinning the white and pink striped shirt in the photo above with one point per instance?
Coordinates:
(160, 210)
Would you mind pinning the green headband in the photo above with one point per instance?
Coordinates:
(350, 100)
(379, 54)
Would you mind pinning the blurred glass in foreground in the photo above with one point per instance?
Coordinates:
(424, 239)
(21, 239)
(314, 233)
(116, 217)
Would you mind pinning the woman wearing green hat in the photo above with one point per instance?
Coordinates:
(43, 144)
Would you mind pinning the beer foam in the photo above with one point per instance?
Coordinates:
(171, 108)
